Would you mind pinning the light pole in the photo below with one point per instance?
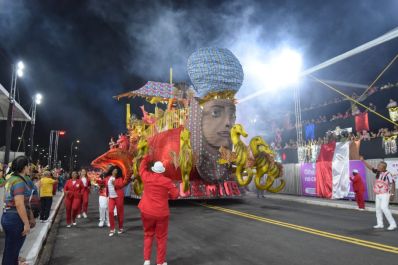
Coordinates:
(54, 152)
(71, 154)
(36, 101)
(17, 71)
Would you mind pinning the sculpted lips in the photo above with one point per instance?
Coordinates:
(224, 134)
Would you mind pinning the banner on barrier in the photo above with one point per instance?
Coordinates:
(358, 165)
(392, 167)
(308, 178)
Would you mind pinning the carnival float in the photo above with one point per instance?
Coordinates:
(193, 132)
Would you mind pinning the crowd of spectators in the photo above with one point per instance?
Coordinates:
(348, 114)
(27, 194)
(344, 136)
(336, 100)
(323, 104)
(323, 118)
(280, 143)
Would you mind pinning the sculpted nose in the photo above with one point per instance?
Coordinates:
(228, 123)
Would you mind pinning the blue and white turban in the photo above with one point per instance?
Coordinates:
(214, 70)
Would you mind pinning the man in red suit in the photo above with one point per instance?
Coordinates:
(73, 194)
(154, 208)
(359, 189)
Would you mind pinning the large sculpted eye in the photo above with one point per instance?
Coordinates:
(231, 113)
(216, 112)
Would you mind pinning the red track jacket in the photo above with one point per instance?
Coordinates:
(157, 190)
(119, 184)
(74, 191)
(88, 185)
(357, 183)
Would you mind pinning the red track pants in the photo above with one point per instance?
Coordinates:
(360, 198)
(155, 226)
(85, 197)
(72, 206)
(119, 204)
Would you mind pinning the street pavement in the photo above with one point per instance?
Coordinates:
(247, 231)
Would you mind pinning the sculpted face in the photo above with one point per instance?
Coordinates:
(217, 121)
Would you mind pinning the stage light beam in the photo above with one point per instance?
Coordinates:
(281, 70)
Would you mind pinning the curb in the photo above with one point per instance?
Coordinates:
(48, 247)
(33, 253)
(324, 203)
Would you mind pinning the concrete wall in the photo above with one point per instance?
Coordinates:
(293, 180)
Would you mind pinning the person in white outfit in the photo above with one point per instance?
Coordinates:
(384, 188)
(103, 205)
(103, 202)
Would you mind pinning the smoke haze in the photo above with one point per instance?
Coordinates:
(81, 53)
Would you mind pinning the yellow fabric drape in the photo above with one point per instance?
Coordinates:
(171, 119)
(128, 115)
(393, 113)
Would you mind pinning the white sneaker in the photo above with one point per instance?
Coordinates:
(74, 224)
(101, 224)
(68, 226)
(164, 263)
(112, 233)
(378, 226)
(79, 216)
(84, 215)
(361, 209)
(392, 227)
(120, 231)
(147, 262)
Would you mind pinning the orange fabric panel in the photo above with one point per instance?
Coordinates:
(116, 157)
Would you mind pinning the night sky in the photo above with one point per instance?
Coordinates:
(79, 54)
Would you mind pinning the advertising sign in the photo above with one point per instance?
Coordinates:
(358, 165)
(308, 179)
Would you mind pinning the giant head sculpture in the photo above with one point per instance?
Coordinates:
(216, 75)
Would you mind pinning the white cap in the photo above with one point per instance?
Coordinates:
(158, 167)
(355, 171)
